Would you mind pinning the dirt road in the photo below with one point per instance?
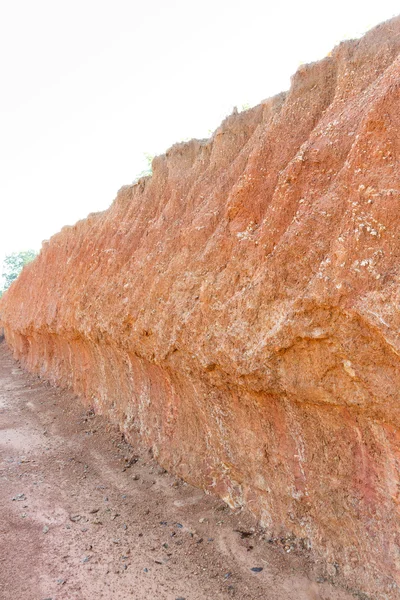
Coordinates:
(84, 516)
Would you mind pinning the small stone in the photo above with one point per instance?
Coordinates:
(75, 518)
(19, 497)
(256, 569)
(45, 529)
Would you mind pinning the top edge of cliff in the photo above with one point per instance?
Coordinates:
(377, 39)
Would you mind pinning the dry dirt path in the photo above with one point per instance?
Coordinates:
(85, 516)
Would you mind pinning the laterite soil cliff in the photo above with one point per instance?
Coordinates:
(238, 312)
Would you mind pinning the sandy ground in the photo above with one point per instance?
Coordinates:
(83, 515)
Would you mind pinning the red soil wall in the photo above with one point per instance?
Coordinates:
(238, 312)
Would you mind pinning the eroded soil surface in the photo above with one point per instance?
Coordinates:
(83, 515)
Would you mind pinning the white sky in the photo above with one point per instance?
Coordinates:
(89, 86)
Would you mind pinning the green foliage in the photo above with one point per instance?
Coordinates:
(13, 265)
(148, 170)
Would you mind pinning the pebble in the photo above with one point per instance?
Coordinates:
(19, 497)
(75, 518)
(256, 569)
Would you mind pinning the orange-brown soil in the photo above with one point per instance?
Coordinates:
(238, 313)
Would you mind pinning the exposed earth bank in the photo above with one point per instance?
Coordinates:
(83, 515)
(238, 312)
